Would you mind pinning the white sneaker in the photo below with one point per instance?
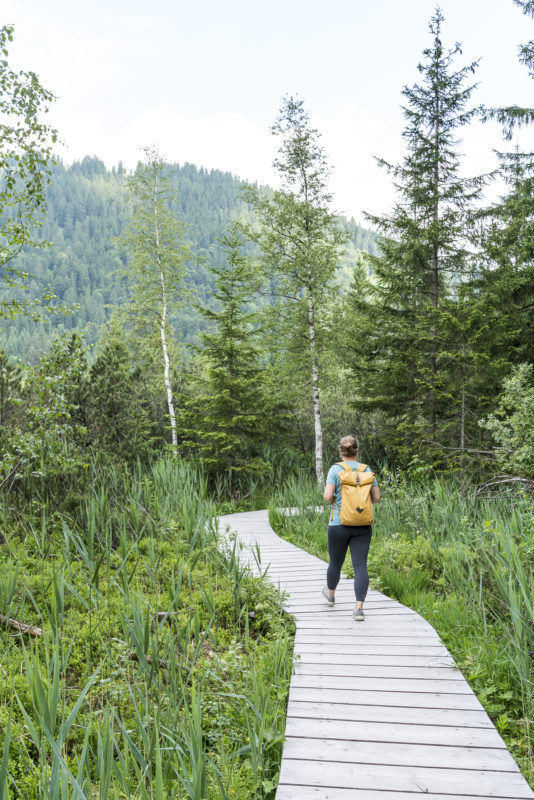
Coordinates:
(358, 615)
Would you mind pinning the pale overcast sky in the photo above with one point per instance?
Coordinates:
(204, 81)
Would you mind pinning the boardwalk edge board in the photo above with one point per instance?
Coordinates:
(377, 710)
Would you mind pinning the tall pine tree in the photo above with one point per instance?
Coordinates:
(401, 347)
(505, 284)
(224, 421)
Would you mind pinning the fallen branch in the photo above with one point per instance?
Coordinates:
(21, 627)
(501, 480)
(461, 449)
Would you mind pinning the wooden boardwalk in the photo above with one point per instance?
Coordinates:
(377, 709)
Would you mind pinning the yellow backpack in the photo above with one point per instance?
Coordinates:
(356, 506)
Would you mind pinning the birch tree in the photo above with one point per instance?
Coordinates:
(158, 250)
(300, 242)
(26, 143)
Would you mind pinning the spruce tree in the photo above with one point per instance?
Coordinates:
(119, 422)
(301, 243)
(504, 287)
(514, 116)
(401, 350)
(224, 420)
(505, 284)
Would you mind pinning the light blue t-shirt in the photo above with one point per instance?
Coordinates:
(333, 478)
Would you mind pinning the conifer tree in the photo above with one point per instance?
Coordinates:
(300, 241)
(504, 287)
(118, 417)
(514, 116)
(224, 420)
(155, 240)
(401, 352)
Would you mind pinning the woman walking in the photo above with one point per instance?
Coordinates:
(341, 537)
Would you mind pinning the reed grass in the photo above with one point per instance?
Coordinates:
(160, 654)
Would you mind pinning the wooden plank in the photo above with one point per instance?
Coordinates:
(401, 754)
(287, 558)
(311, 606)
(404, 732)
(314, 596)
(286, 568)
(314, 602)
(302, 690)
(329, 666)
(301, 591)
(449, 674)
(378, 684)
(313, 593)
(312, 654)
(301, 594)
(305, 610)
(344, 642)
(406, 625)
(364, 640)
(344, 612)
(336, 707)
(308, 677)
(342, 620)
(293, 792)
(380, 777)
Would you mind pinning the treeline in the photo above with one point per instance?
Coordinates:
(428, 356)
(87, 208)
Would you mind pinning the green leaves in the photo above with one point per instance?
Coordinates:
(512, 423)
(25, 155)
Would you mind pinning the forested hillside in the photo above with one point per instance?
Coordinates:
(87, 206)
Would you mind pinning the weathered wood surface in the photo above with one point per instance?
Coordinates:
(377, 710)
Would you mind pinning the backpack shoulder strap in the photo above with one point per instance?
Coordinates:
(344, 466)
(361, 467)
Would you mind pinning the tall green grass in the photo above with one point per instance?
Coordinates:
(466, 564)
(164, 666)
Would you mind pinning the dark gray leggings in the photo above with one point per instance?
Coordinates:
(358, 538)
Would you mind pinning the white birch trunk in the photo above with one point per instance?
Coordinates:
(163, 321)
(315, 394)
(166, 373)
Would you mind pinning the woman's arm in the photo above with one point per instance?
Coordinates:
(375, 494)
(329, 492)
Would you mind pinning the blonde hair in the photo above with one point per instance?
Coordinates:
(348, 446)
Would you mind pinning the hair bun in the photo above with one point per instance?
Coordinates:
(348, 445)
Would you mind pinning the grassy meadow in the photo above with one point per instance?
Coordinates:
(465, 563)
(162, 666)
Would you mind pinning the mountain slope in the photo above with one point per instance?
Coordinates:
(86, 212)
